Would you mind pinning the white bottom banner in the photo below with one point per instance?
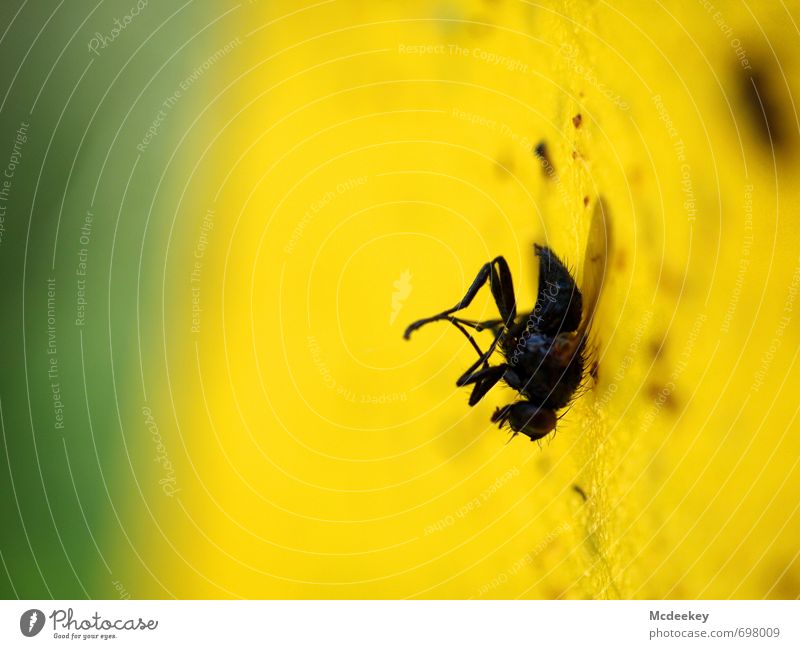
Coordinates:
(401, 624)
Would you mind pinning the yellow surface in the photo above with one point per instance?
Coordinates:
(360, 184)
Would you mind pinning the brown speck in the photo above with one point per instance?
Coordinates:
(784, 582)
(671, 282)
(657, 347)
(635, 176)
(662, 395)
(504, 166)
(576, 121)
(585, 201)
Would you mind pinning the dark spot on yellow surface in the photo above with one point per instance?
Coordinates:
(620, 259)
(656, 347)
(784, 581)
(761, 97)
(544, 464)
(585, 201)
(558, 593)
(543, 155)
(635, 176)
(576, 121)
(662, 395)
(504, 166)
(671, 282)
(578, 490)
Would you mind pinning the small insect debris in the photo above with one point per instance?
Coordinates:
(541, 152)
(578, 490)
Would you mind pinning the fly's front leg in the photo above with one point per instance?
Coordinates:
(484, 380)
(497, 273)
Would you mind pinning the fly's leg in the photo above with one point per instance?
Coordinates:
(484, 380)
(497, 273)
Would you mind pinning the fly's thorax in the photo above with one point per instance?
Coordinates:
(540, 369)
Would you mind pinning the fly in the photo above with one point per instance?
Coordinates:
(544, 351)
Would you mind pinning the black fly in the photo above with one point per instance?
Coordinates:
(545, 351)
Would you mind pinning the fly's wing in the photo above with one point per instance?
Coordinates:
(595, 264)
